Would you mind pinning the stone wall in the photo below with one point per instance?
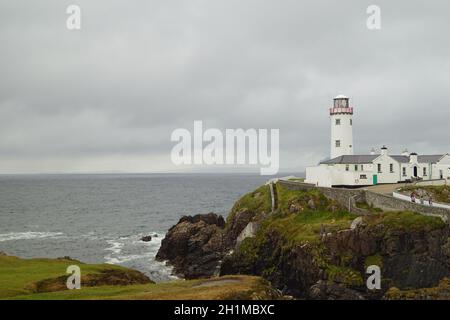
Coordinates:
(389, 203)
(441, 182)
(349, 197)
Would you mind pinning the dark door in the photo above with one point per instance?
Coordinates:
(415, 171)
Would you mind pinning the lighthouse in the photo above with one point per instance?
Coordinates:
(345, 169)
(341, 115)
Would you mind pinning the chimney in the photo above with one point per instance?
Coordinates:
(413, 158)
(372, 152)
(384, 150)
(405, 153)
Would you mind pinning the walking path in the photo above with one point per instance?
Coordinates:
(407, 198)
(386, 188)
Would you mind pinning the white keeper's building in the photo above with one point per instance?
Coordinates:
(347, 169)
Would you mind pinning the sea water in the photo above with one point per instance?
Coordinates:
(101, 217)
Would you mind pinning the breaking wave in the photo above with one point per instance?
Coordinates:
(131, 252)
(28, 235)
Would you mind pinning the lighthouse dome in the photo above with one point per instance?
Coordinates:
(341, 96)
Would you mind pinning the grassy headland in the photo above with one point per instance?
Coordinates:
(309, 238)
(23, 279)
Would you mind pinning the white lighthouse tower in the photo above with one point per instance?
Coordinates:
(341, 115)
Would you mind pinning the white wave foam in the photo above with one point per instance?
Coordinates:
(116, 247)
(126, 258)
(28, 235)
(133, 252)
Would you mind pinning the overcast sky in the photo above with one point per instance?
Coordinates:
(107, 97)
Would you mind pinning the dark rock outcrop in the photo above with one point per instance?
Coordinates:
(324, 290)
(408, 259)
(240, 220)
(194, 246)
(290, 269)
(146, 238)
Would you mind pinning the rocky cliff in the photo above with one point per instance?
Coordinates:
(194, 246)
(311, 247)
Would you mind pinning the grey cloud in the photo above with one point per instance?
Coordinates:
(137, 70)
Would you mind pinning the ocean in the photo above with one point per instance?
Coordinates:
(98, 218)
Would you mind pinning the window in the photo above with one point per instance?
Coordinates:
(351, 122)
(391, 168)
(379, 168)
(356, 167)
(425, 171)
(404, 171)
(338, 122)
(338, 143)
(347, 167)
(363, 176)
(362, 167)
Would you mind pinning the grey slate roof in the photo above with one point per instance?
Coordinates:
(430, 158)
(362, 159)
(351, 159)
(400, 159)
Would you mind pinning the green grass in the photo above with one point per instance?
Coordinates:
(307, 223)
(345, 275)
(307, 226)
(405, 220)
(258, 201)
(17, 277)
(440, 292)
(239, 287)
(375, 260)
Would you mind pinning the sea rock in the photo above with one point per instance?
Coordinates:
(194, 246)
(146, 238)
